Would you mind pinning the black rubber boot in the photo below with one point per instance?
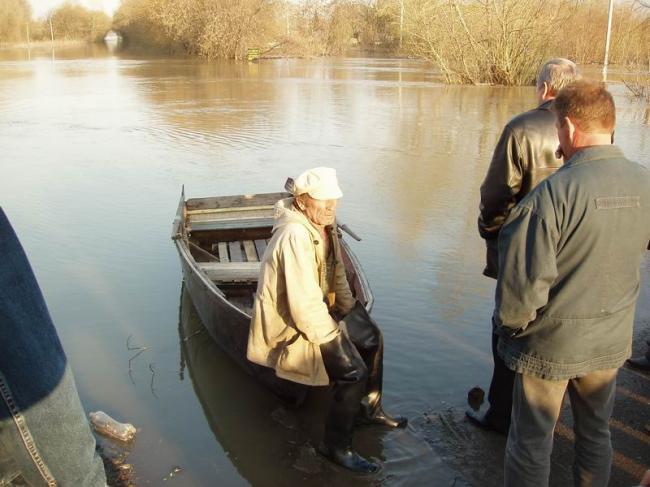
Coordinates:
(487, 421)
(641, 363)
(367, 338)
(346, 368)
(348, 458)
(380, 417)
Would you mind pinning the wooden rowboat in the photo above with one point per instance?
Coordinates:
(221, 241)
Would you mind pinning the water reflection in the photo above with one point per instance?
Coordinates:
(239, 413)
(60, 51)
(272, 445)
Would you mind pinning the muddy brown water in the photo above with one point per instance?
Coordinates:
(95, 146)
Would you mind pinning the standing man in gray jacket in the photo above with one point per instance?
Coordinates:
(524, 156)
(569, 261)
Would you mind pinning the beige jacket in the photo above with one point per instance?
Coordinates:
(290, 317)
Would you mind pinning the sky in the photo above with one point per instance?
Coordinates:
(40, 8)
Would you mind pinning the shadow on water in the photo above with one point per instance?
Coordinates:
(272, 444)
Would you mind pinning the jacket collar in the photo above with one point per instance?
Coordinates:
(594, 153)
(546, 105)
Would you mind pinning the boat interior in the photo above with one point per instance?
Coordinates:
(227, 237)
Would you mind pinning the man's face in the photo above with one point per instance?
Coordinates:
(319, 212)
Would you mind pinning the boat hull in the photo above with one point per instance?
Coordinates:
(228, 326)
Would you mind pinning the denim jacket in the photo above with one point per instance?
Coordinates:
(45, 438)
(569, 259)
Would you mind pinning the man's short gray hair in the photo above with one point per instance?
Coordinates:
(557, 73)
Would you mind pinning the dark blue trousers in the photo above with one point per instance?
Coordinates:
(500, 394)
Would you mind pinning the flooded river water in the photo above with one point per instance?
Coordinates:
(94, 149)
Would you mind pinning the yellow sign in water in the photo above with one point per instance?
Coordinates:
(253, 53)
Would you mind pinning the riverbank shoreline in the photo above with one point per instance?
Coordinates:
(57, 44)
(478, 455)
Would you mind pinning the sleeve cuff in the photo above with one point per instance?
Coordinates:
(320, 338)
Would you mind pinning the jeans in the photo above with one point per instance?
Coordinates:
(45, 438)
(535, 411)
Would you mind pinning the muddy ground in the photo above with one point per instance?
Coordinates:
(478, 455)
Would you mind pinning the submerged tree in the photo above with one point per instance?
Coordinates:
(74, 22)
(209, 28)
(484, 41)
(15, 16)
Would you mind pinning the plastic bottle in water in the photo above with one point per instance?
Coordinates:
(103, 424)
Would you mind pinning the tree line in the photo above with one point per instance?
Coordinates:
(470, 41)
(69, 21)
(505, 41)
(225, 28)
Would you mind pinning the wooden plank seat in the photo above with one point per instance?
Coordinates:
(238, 261)
(231, 271)
(230, 218)
(235, 251)
(260, 246)
(249, 250)
(229, 225)
(223, 252)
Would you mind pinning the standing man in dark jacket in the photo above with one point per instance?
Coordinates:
(524, 156)
(569, 273)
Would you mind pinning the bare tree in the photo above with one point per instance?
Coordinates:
(14, 14)
(471, 41)
(484, 41)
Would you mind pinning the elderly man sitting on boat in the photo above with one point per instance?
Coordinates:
(302, 285)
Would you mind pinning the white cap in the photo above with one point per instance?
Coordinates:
(320, 183)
